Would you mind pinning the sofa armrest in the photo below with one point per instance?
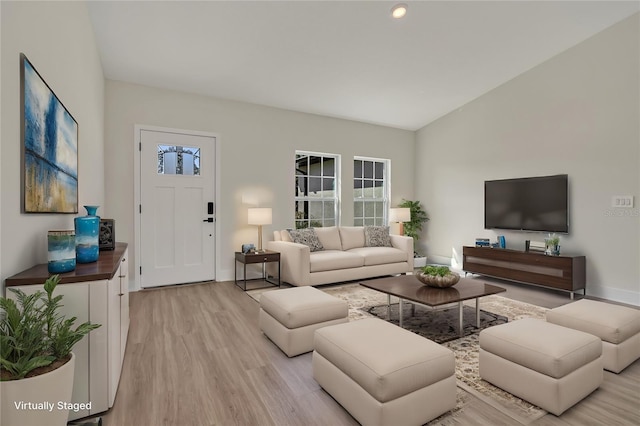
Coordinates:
(295, 262)
(405, 244)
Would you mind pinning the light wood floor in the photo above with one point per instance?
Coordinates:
(195, 356)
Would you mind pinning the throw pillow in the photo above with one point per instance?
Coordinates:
(377, 236)
(308, 237)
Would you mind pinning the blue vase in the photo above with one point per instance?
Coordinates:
(61, 251)
(87, 234)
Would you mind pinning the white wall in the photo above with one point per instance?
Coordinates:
(57, 37)
(578, 113)
(257, 155)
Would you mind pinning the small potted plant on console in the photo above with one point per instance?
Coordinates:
(552, 245)
(438, 276)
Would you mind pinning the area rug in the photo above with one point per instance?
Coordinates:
(364, 303)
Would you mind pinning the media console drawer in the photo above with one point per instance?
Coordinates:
(560, 272)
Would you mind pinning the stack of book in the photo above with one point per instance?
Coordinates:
(483, 242)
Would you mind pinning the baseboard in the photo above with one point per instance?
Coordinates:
(614, 294)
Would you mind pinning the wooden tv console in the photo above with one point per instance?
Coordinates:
(566, 273)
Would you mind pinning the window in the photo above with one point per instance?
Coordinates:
(370, 191)
(316, 186)
(178, 160)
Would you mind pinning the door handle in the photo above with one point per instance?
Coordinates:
(209, 219)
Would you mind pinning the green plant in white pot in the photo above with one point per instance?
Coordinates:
(36, 362)
(552, 245)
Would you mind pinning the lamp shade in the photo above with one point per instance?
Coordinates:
(402, 214)
(259, 216)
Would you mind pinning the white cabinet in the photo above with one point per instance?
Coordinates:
(118, 317)
(105, 301)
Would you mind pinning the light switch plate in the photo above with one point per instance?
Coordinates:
(622, 201)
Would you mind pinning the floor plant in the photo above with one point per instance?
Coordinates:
(418, 218)
(36, 359)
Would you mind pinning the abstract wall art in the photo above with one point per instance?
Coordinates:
(50, 148)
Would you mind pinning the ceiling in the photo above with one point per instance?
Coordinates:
(345, 59)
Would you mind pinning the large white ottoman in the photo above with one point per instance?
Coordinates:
(289, 317)
(617, 326)
(384, 375)
(548, 365)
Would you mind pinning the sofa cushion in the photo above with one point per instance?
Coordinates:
(351, 237)
(308, 237)
(329, 260)
(377, 236)
(329, 237)
(380, 255)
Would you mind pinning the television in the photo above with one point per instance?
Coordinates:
(527, 204)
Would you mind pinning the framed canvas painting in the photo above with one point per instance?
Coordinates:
(50, 148)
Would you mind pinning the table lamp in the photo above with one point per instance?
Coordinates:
(400, 215)
(259, 216)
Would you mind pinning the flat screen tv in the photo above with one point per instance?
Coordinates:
(527, 204)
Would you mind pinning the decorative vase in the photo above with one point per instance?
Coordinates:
(448, 280)
(87, 236)
(61, 251)
(419, 262)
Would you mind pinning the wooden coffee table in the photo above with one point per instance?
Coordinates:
(407, 287)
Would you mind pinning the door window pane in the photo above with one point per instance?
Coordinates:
(178, 160)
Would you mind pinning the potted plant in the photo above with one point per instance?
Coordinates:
(552, 245)
(414, 227)
(36, 362)
(438, 276)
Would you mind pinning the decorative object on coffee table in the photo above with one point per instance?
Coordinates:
(438, 276)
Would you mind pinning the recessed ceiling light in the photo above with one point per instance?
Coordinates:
(399, 10)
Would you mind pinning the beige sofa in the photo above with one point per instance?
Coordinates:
(344, 257)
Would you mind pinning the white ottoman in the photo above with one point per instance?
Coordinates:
(617, 326)
(289, 317)
(548, 365)
(384, 375)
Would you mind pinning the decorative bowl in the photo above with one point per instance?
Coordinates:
(448, 280)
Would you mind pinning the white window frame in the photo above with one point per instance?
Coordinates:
(336, 192)
(386, 191)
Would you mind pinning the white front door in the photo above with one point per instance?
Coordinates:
(177, 210)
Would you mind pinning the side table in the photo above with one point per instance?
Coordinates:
(263, 257)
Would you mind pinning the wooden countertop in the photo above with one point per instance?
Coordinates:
(104, 269)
